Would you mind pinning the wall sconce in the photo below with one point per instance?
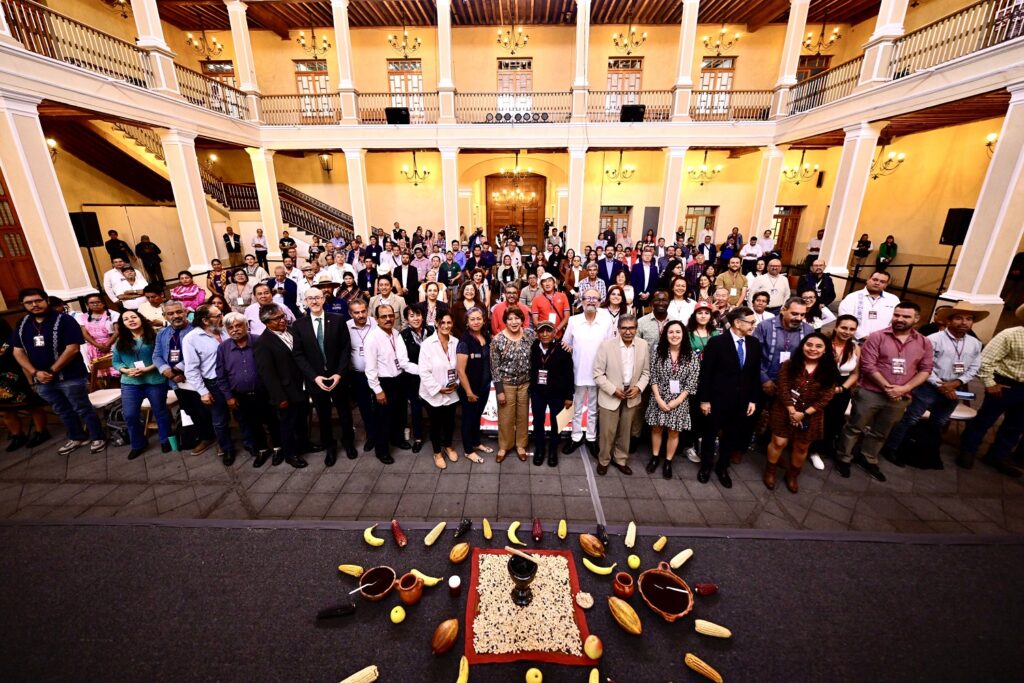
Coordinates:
(52, 145)
(990, 143)
(326, 161)
(121, 7)
(211, 159)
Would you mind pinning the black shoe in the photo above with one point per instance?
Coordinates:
(253, 451)
(165, 447)
(403, 445)
(724, 479)
(261, 459)
(136, 452)
(633, 443)
(592, 447)
(386, 459)
(538, 456)
(1003, 467)
(871, 468)
(553, 456)
(17, 441)
(893, 457)
(602, 470)
(297, 462)
(417, 445)
(228, 459)
(571, 446)
(368, 446)
(653, 463)
(623, 468)
(843, 468)
(703, 475)
(350, 451)
(278, 457)
(38, 438)
(666, 469)
(331, 457)
(311, 447)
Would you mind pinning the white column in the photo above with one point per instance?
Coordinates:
(355, 164)
(577, 174)
(767, 189)
(151, 39)
(996, 227)
(580, 84)
(687, 44)
(245, 63)
(189, 198)
(675, 159)
(36, 193)
(878, 50)
(265, 176)
(450, 189)
(346, 86)
(445, 66)
(848, 195)
(790, 55)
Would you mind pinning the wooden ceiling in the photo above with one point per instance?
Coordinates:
(988, 106)
(281, 15)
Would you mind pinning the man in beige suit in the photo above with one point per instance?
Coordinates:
(621, 372)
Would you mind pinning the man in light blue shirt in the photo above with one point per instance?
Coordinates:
(460, 256)
(200, 353)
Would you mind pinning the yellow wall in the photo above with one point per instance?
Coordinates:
(370, 52)
(391, 198)
(757, 54)
(475, 52)
(642, 191)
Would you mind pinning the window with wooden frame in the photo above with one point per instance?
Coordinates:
(405, 83)
(311, 84)
(811, 65)
(616, 218)
(515, 85)
(699, 218)
(625, 79)
(716, 81)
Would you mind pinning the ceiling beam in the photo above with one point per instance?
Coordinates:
(269, 20)
(770, 11)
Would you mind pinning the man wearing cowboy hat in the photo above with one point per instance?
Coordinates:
(1002, 372)
(956, 362)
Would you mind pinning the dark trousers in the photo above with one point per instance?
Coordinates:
(364, 399)
(261, 260)
(154, 273)
(733, 429)
(412, 393)
(1011, 407)
(835, 418)
(292, 427)
(255, 420)
(747, 266)
(389, 418)
(689, 439)
(322, 401)
(70, 401)
(190, 402)
(540, 403)
(221, 415)
(442, 425)
(471, 414)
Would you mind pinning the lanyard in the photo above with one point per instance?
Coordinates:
(546, 356)
(394, 346)
(958, 346)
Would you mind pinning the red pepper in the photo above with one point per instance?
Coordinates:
(706, 588)
(400, 537)
(538, 532)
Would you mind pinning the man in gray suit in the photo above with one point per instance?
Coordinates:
(621, 372)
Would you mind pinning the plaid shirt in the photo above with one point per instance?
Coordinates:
(1004, 356)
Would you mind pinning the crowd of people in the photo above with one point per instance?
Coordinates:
(702, 350)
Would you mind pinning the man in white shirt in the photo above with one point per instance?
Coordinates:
(390, 260)
(872, 306)
(775, 283)
(750, 253)
(584, 333)
(814, 248)
(759, 304)
(262, 295)
(767, 243)
(386, 357)
(704, 234)
(128, 290)
(386, 296)
(336, 270)
(113, 276)
(291, 272)
(360, 325)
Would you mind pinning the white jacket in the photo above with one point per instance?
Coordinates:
(434, 366)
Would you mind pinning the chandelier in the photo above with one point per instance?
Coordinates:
(721, 43)
(512, 39)
(516, 173)
(414, 175)
(704, 173)
(621, 174)
(122, 7)
(311, 48)
(404, 44)
(799, 172)
(886, 164)
(629, 41)
(822, 43)
(514, 199)
(206, 48)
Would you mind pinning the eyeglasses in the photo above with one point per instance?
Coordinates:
(747, 321)
(591, 298)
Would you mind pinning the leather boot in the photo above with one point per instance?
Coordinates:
(653, 463)
(769, 476)
(791, 476)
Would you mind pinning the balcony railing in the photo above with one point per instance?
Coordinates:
(828, 86)
(422, 106)
(289, 192)
(606, 105)
(241, 197)
(211, 94)
(60, 37)
(301, 110)
(973, 28)
(308, 221)
(730, 105)
(144, 137)
(494, 107)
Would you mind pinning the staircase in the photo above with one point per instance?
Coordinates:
(298, 209)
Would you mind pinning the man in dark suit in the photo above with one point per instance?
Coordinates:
(282, 286)
(608, 267)
(407, 281)
(730, 383)
(644, 278)
(707, 248)
(117, 247)
(820, 281)
(367, 278)
(282, 379)
(322, 351)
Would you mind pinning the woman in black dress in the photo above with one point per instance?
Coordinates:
(16, 394)
(473, 364)
(413, 335)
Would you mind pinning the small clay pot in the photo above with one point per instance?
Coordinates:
(671, 605)
(376, 583)
(410, 588)
(623, 585)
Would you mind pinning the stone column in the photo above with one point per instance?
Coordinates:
(577, 174)
(245, 63)
(790, 56)
(151, 39)
(874, 70)
(36, 193)
(580, 84)
(848, 195)
(675, 160)
(687, 43)
(450, 189)
(768, 181)
(265, 176)
(346, 86)
(996, 227)
(355, 164)
(445, 66)
(189, 197)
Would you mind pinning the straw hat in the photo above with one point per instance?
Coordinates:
(944, 314)
(323, 279)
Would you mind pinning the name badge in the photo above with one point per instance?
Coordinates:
(958, 368)
(732, 291)
(451, 377)
(783, 356)
(39, 341)
(360, 349)
(140, 365)
(899, 366)
(872, 315)
(174, 356)
(398, 366)
(552, 318)
(241, 301)
(673, 386)
(542, 377)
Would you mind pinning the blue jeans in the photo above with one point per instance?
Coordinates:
(131, 404)
(928, 398)
(1011, 407)
(70, 401)
(221, 417)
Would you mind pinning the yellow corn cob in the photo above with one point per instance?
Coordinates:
(351, 569)
(367, 675)
(434, 534)
(659, 545)
(709, 629)
(680, 559)
(701, 667)
(487, 529)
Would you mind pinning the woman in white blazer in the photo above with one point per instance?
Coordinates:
(438, 381)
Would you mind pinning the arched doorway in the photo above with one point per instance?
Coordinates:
(519, 203)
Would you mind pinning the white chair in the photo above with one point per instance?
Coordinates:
(147, 410)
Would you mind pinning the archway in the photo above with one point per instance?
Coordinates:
(516, 202)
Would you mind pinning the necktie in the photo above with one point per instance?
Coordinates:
(320, 336)
(739, 350)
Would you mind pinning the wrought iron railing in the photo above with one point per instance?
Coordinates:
(423, 106)
(143, 137)
(494, 107)
(289, 192)
(730, 105)
(308, 221)
(60, 37)
(828, 86)
(300, 110)
(298, 209)
(241, 197)
(606, 105)
(211, 94)
(973, 28)
(214, 186)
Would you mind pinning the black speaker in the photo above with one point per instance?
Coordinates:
(632, 113)
(821, 179)
(397, 115)
(87, 229)
(955, 229)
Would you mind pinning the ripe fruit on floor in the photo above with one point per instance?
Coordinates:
(534, 676)
(397, 614)
(593, 647)
(633, 561)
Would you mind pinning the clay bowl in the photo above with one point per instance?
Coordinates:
(375, 583)
(671, 605)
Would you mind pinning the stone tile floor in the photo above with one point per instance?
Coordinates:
(43, 484)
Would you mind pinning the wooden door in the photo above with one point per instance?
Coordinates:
(716, 79)
(515, 85)
(785, 225)
(17, 268)
(625, 79)
(405, 83)
(527, 216)
(311, 84)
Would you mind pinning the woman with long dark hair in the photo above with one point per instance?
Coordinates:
(438, 381)
(805, 386)
(615, 304)
(675, 370)
(473, 363)
(701, 328)
(468, 298)
(133, 357)
(680, 305)
(99, 328)
(817, 315)
(414, 334)
(673, 270)
(847, 356)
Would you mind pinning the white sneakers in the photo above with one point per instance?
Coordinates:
(692, 456)
(816, 460)
(72, 444)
